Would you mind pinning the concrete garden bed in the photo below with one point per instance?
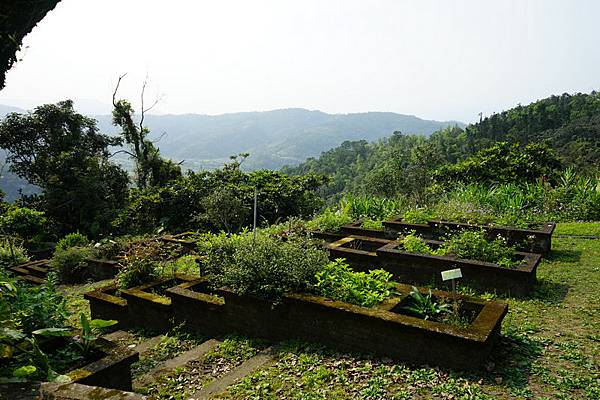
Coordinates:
(386, 330)
(355, 228)
(144, 306)
(365, 253)
(100, 270)
(538, 240)
(112, 370)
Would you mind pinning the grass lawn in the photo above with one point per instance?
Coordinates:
(550, 349)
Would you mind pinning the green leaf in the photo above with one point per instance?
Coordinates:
(53, 332)
(102, 323)
(24, 371)
(11, 334)
(85, 324)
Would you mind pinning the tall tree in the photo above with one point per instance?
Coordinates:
(63, 153)
(150, 168)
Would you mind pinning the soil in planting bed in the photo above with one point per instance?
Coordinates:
(161, 289)
(461, 314)
(197, 374)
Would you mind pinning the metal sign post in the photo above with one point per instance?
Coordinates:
(255, 212)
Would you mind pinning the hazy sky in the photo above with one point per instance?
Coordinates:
(434, 59)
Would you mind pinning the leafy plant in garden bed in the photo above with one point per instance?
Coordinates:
(467, 245)
(337, 281)
(32, 319)
(266, 267)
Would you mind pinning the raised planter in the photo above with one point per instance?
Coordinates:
(364, 253)
(105, 304)
(100, 270)
(355, 228)
(112, 371)
(216, 312)
(360, 251)
(327, 237)
(385, 330)
(426, 269)
(537, 240)
(189, 245)
(145, 306)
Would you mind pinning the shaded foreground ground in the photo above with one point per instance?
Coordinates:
(550, 350)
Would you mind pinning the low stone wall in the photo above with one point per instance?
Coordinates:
(379, 330)
(356, 229)
(111, 371)
(105, 305)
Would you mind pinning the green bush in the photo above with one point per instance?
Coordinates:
(415, 244)
(267, 268)
(185, 265)
(337, 281)
(34, 307)
(330, 220)
(23, 222)
(142, 264)
(11, 253)
(75, 239)
(71, 264)
(418, 215)
(473, 245)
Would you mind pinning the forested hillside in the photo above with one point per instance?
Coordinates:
(568, 124)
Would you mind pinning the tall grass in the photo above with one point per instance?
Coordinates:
(572, 198)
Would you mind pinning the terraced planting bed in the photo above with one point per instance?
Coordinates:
(366, 253)
(535, 240)
(549, 346)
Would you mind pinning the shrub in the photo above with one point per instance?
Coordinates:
(330, 220)
(35, 307)
(415, 244)
(141, 264)
(11, 253)
(23, 222)
(338, 281)
(372, 224)
(71, 264)
(267, 268)
(418, 215)
(185, 265)
(75, 239)
(473, 245)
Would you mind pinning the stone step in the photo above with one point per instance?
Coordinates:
(33, 279)
(260, 360)
(37, 270)
(177, 362)
(76, 391)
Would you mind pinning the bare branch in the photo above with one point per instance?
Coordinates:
(159, 138)
(122, 151)
(142, 107)
(114, 99)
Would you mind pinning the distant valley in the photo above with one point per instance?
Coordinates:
(273, 138)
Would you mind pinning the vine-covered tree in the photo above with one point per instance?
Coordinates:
(151, 169)
(63, 153)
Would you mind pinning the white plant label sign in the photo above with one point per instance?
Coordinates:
(451, 274)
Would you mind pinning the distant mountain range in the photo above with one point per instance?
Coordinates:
(273, 138)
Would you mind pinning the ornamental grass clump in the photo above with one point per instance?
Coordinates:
(265, 267)
(337, 281)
